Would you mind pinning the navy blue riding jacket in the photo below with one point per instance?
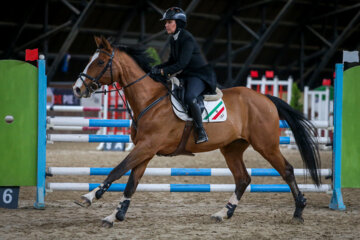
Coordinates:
(186, 56)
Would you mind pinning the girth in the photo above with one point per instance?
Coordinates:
(180, 150)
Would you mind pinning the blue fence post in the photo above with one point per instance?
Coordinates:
(41, 164)
(336, 199)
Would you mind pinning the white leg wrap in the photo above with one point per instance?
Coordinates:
(124, 198)
(233, 200)
(222, 214)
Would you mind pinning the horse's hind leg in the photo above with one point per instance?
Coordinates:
(119, 213)
(286, 170)
(233, 154)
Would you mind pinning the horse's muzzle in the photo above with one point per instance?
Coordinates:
(79, 93)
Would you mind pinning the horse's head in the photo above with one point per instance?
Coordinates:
(99, 71)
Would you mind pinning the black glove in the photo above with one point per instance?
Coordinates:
(155, 71)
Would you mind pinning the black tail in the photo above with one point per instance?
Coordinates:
(304, 132)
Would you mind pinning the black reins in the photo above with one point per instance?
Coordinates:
(137, 80)
(127, 105)
(98, 85)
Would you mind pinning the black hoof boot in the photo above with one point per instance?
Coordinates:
(120, 215)
(201, 136)
(300, 204)
(102, 190)
(231, 209)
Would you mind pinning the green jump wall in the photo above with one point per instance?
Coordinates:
(350, 154)
(18, 140)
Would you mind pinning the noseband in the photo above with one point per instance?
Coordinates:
(97, 78)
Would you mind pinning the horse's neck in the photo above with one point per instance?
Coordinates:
(143, 93)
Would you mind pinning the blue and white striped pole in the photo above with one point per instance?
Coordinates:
(88, 138)
(264, 172)
(119, 187)
(317, 123)
(83, 122)
(127, 139)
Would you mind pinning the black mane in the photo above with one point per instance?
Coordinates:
(139, 54)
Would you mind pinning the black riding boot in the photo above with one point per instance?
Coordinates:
(196, 115)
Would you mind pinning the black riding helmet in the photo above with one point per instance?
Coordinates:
(174, 13)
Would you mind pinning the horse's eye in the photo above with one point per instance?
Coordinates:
(100, 62)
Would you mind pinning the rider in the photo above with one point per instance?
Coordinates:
(186, 58)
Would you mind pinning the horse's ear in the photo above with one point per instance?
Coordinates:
(97, 41)
(105, 43)
(111, 40)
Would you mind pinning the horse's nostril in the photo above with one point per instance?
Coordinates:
(77, 90)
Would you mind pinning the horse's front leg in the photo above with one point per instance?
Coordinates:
(137, 156)
(119, 213)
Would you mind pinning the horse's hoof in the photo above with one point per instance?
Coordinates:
(107, 224)
(298, 220)
(85, 202)
(216, 218)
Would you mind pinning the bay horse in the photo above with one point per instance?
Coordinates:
(253, 119)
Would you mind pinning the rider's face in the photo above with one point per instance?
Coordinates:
(170, 26)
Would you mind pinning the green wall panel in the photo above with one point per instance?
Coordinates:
(350, 156)
(18, 140)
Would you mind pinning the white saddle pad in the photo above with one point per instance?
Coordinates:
(215, 111)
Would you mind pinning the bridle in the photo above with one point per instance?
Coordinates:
(97, 78)
(95, 81)
(95, 85)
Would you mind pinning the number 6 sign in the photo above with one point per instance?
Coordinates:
(9, 197)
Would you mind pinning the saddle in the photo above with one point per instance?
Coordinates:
(179, 92)
(212, 109)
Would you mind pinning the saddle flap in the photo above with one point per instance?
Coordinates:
(177, 89)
